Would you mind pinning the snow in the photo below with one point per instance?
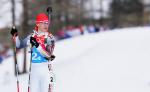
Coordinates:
(113, 61)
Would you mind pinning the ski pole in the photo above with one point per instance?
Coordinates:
(17, 78)
(30, 69)
(17, 71)
(16, 64)
(49, 11)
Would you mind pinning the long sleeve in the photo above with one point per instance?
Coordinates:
(22, 43)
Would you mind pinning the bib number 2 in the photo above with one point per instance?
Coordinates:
(35, 56)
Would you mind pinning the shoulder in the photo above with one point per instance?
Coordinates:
(34, 33)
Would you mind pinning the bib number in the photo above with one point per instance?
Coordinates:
(35, 56)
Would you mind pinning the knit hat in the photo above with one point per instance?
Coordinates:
(42, 17)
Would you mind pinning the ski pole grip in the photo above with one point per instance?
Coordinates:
(49, 9)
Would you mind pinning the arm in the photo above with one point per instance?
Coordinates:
(19, 43)
(34, 43)
(22, 43)
(50, 41)
(50, 45)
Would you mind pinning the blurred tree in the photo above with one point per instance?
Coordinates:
(25, 29)
(101, 12)
(68, 12)
(122, 10)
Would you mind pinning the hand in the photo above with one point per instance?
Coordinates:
(14, 32)
(34, 42)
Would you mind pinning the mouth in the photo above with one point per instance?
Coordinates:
(45, 28)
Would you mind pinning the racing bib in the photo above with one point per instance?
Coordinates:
(37, 57)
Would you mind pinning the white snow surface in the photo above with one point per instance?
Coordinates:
(113, 61)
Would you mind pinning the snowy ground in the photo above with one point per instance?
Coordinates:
(114, 61)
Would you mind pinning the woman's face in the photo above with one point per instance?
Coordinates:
(43, 26)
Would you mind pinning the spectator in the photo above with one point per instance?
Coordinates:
(73, 31)
(91, 28)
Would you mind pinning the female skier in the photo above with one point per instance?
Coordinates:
(42, 43)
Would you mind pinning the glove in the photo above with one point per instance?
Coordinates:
(52, 57)
(14, 32)
(34, 42)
